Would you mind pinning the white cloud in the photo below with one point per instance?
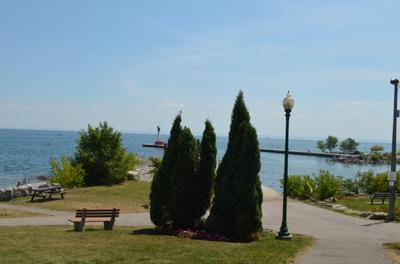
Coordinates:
(173, 105)
(211, 106)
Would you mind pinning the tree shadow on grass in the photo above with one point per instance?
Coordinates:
(151, 232)
(89, 229)
(38, 201)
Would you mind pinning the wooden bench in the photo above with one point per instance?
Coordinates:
(380, 196)
(107, 216)
(47, 191)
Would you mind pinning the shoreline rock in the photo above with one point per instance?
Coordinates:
(143, 172)
(8, 193)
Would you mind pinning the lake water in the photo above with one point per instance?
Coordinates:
(25, 154)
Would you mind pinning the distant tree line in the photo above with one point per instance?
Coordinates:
(348, 145)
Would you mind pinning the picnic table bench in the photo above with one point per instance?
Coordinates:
(82, 216)
(380, 196)
(47, 191)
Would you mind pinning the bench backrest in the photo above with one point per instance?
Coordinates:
(381, 195)
(98, 213)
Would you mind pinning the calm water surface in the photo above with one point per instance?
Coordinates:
(25, 154)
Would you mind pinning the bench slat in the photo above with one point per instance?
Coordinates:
(108, 209)
(98, 212)
(94, 216)
(91, 219)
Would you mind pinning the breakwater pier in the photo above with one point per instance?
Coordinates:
(279, 151)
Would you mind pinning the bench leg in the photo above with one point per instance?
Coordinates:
(108, 225)
(79, 226)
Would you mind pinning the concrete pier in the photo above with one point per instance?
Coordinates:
(279, 151)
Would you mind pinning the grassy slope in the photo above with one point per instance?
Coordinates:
(131, 196)
(362, 203)
(128, 245)
(9, 213)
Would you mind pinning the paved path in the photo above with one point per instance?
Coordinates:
(340, 238)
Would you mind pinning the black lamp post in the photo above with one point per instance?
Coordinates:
(288, 104)
(392, 173)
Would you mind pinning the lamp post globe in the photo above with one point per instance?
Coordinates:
(288, 102)
(283, 234)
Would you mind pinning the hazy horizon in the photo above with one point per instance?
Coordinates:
(199, 134)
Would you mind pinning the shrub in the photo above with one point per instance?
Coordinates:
(155, 163)
(366, 182)
(236, 209)
(131, 160)
(375, 157)
(327, 185)
(376, 148)
(102, 156)
(300, 186)
(295, 186)
(65, 173)
(349, 185)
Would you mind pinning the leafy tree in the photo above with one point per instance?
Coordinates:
(331, 143)
(349, 145)
(182, 203)
(162, 180)
(321, 145)
(206, 171)
(236, 209)
(102, 156)
(65, 173)
(376, 149)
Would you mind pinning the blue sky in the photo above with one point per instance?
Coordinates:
(64, 64)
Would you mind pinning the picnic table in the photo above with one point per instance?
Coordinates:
(47, 191)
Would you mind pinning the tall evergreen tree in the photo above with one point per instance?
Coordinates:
(236, 209)
(206, 172)
(183, 180)
(161, 185)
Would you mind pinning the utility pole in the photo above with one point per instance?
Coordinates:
(392, 174)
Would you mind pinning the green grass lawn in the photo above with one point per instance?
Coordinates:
(132, 196)
(9, 213)
(394, 249)
(135, 245)
(363, 204)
